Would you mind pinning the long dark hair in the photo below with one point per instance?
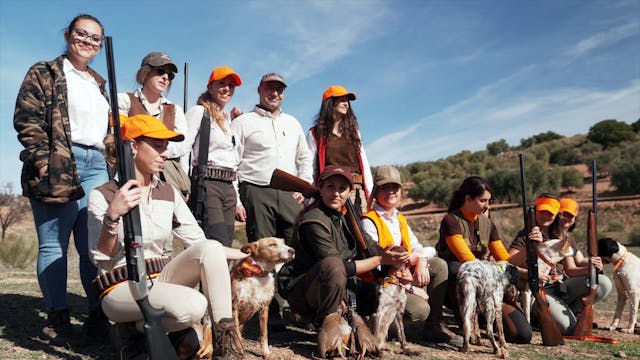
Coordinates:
(473, 186)
(325, 120)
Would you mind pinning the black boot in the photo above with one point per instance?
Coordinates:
(185, 342)
(58, 329)
(226, 344)
(97, 326)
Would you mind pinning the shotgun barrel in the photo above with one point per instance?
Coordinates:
(157, 341)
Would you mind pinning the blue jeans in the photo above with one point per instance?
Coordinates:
(54, 224)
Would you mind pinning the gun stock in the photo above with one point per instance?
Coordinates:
(584, 326)
(551, 334)
(282, 180)
(157, 341)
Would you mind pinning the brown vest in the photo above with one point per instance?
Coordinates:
(167, 115)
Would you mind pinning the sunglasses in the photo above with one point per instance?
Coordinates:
(161, 71)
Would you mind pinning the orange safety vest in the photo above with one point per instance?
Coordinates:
(384, 235)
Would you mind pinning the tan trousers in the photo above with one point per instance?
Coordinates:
(418, 311)
(204, 262)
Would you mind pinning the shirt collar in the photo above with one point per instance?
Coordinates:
(138, 93)
(266, 113)
(382, 212)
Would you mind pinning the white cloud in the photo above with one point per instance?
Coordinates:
(603, 39)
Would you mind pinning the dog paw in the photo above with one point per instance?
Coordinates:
(628, 331)
(502, 353)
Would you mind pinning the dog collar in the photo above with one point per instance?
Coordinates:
(618, 263)
(251, 268)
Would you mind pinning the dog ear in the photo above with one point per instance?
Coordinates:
(250, 248)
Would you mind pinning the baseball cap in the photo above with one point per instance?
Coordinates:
(336, 91)
(222, 72)
(386, 174)
(157, 59)
(569, 205)
(549, 204)
(146, 125)
(273, 77)
(332, 170)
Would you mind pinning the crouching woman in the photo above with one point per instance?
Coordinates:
(163, 213)
(315, 283)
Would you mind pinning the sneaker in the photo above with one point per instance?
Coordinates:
(440, 334)
(226, 344)
(58, 330)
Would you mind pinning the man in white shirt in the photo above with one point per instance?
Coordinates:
(267, 139)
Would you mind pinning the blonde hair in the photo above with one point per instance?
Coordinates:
(216, 113)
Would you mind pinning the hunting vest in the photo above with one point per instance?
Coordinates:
(167, 115)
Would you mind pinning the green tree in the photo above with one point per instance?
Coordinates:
(610, 133)
(636, 126)
(572, 179)
(498, 147)
(505, 184)
(625, 177)
(540, 138)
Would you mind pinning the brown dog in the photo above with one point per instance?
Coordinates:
(252, 284)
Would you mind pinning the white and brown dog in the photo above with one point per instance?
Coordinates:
(550, 253)
(252, 284)
(481, 287)
(626, 267)
(392, 299)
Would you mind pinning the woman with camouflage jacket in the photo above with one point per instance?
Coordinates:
(61, 115)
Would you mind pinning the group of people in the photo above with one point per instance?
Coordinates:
(62, 119)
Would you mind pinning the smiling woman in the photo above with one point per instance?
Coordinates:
(155, 74)
(61, 117)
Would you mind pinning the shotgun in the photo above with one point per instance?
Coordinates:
(551, 335)
(584, 326)
(185, 100)
(157, 341)
(282, 180)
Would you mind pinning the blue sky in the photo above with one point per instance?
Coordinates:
(432, 77)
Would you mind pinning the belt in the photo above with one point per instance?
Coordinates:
(219, 173)
(356, 178)
(88, 147)
(108, 281)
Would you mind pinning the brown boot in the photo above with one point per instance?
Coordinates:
(58, 330)
(437, 332)
(226, 345)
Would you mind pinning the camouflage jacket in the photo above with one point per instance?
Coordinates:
(42, 121)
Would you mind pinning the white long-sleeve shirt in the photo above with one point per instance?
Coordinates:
(221, 144)
(391, 220)
(156, 218)
(176, 149)
(266, 142)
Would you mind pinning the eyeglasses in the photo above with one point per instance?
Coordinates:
(80, 34)
(161, 71)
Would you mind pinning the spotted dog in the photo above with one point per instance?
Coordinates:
(626, 268)
(481, 287)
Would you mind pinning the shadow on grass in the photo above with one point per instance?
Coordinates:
(21, 322)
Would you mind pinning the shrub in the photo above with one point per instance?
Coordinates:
(18, 252)
(615, 226)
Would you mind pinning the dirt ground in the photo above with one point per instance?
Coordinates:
(21, 318)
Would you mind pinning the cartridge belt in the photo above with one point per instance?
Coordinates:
(108, 281)
(221, 173)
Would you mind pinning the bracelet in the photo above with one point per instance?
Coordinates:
(106, 218)
(112, 230)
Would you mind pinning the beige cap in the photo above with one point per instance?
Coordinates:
(386, 174)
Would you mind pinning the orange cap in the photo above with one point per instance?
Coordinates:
(570, 206)
(149, 126)
(336, 91)
(222, 72)
(549, 204)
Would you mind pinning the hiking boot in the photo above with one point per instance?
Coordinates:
(439, 334)
(96, 327)
(226, 344)
(58, 330)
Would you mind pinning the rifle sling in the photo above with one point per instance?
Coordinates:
(203, 146)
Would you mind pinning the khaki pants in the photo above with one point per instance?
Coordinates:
(204, 262)
(418, 311)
